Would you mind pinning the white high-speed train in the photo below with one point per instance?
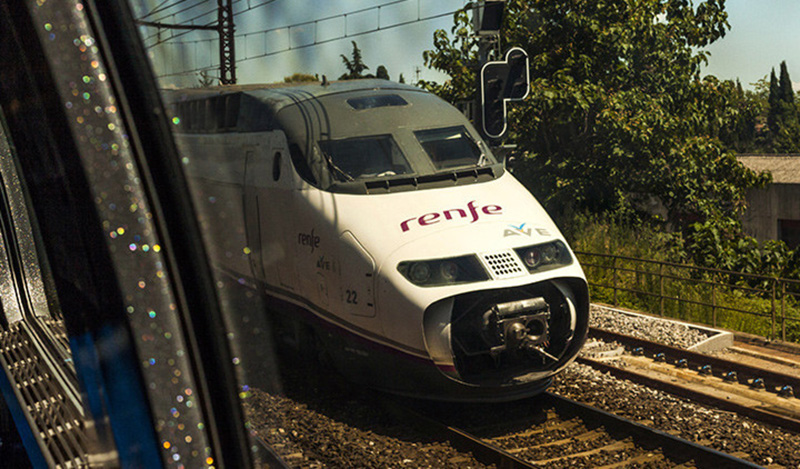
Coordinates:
(380, 222)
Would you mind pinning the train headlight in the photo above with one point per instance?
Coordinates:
(450, 271)
(544, 256)
(532, 258)
(419, 272)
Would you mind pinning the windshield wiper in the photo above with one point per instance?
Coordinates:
(336, 169)
(481, 159)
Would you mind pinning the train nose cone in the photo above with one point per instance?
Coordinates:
(517, 334)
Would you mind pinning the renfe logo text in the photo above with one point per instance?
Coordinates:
(305, 239)
(473, 212)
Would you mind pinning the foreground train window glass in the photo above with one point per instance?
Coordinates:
(316, 193)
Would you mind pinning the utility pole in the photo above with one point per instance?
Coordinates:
(225, 28)
(227, 50)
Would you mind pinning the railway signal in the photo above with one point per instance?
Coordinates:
(488, 17)
(502, 81)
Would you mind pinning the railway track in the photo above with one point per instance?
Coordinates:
(761, 394)
(336, 425)
(553, 431)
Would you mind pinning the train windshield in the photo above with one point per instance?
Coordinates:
(451, 147)
(364, 157)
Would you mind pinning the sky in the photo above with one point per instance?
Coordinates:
(763, 33)
(259, 60)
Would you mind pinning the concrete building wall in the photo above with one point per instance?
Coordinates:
(767, 207)
(774, 212)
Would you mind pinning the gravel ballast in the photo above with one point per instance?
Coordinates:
(324, 426)
(670, 333)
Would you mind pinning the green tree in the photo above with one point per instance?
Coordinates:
(738, 129)
(786, 131)
(204, 80)
(381, 73)
(785, 85)
(355, 65)
(300, 78)
(774, 103)
(617, 111)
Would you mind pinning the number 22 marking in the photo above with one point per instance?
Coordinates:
(352, 297)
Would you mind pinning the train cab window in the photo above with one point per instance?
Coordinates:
(451, 147)
(364, 157)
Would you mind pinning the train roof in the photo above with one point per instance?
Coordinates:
(279, 95)
(250, 108)
(358, 111)
(253, 108)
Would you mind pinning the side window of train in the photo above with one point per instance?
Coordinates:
(108, 297)
(37, 372)
(276, 166)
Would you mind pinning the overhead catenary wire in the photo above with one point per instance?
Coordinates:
(344, 35)
(189, 21)
(303, 46)
(250, 7)
(161, 7)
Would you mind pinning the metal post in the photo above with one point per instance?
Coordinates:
(713, 301)
(614, 281)
(225, 28)
(773, 309)
(488, 40)
(661, 286)
(783, 311)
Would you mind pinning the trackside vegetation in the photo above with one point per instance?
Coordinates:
(621, 137)
(641, 268)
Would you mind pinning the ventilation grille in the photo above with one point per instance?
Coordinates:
(503, 264)
(52, 416)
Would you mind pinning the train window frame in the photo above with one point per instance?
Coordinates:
(115, 69)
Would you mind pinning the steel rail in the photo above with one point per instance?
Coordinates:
(461, 440)
(674, 448)
(694, 395)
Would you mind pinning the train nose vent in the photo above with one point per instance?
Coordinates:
(503, 264)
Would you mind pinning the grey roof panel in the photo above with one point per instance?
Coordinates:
(785, 169)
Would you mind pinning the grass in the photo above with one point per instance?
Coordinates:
(643, 275)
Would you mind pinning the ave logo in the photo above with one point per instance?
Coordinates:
(521, 230)
(513, 230)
